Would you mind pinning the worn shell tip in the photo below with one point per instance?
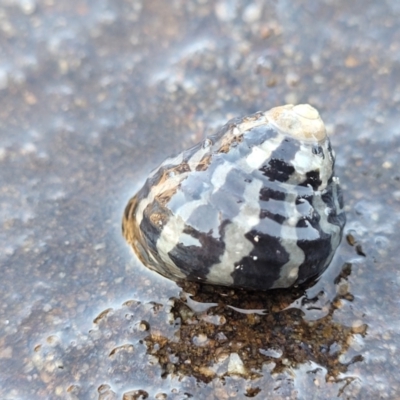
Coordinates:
(301, 121)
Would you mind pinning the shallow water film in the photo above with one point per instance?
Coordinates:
(93, 95)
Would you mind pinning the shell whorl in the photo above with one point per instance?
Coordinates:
(301, 122)
(254, 206)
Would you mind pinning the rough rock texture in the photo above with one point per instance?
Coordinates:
(93, 94)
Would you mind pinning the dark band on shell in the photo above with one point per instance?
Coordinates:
(254, 206)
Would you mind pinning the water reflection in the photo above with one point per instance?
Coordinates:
(227, 340)
(222, 331)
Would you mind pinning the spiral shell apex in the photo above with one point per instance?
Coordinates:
(254, 206)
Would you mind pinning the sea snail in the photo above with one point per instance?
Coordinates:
(254, 206)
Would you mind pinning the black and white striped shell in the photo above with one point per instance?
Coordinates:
(255, 206)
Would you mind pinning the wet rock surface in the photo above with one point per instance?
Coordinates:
(93, 95)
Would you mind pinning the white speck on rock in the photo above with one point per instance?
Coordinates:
(225, 11)
(252, 13)
(235, 365)
(271, 353)
(3, 79)
(200, 340)
(396, 193)
(28, 7)
(47, 307)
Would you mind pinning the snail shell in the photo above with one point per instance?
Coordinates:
(254, 206)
